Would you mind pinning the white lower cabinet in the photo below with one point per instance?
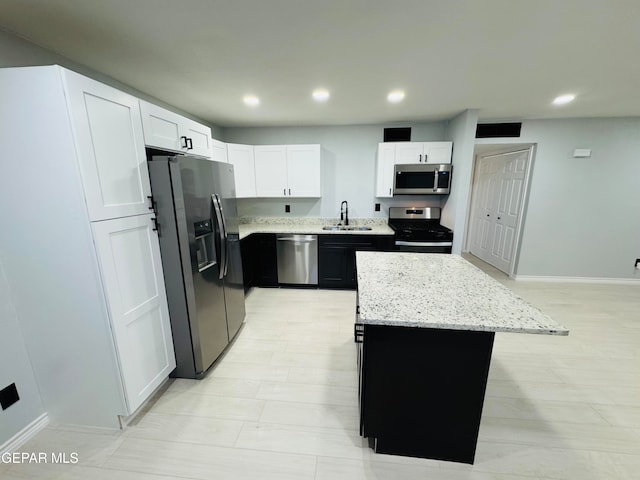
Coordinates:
(129, 256)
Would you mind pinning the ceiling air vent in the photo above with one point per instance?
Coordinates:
(402, 134)
(495, 130)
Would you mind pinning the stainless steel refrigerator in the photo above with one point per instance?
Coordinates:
(195, 203)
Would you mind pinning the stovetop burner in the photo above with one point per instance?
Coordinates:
(418, 224)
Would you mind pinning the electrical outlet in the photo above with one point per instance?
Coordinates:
(8, 396)
(637, 264)
(377, 207)
(287, 208)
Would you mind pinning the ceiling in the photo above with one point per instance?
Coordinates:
(507, 58)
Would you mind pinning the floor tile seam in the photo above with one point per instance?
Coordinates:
(200, 394)
(561, 423)
(208, 445)
(302, 425)
(603, 423)
(163, 475)
(218, 417)
(568, 449)
(211, 394)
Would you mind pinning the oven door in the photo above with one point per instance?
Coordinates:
(423, 247)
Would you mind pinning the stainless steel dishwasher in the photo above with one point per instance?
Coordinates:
(297, 259)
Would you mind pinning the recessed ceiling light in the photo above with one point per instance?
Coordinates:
(251, 100)
(320, 95)
(395, 96)
(564, 99)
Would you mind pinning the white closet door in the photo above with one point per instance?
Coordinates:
(129, 255)
(509, 188)
(497, 207)
(110, 146)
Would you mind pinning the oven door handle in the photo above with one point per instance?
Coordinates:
(402, 243)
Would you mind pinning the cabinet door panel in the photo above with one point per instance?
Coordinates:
(111, 153)
(438, 152)
(199, 137)
(129, 256)
(409, 152)
(303, 170)
(384, 171)
(161, 127)
(218, 151)
(241, 157)
(271, 170)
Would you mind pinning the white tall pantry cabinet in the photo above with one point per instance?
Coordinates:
(78, 244)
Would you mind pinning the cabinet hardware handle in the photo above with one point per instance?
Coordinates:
(156, 225)
(389, 191)
(284, 191)
(498, 218)
(190, 143)
(488, 215)
(184, 143)
(425, 158)
(420, 159)
(153, 203)
(289, 191)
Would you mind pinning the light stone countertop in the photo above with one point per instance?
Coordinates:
(310, 226)
(441, 291)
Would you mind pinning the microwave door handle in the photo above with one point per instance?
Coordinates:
(226, 235)
(435, 181)
(223, 244)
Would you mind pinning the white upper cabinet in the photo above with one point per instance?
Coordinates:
(271, 170)
(218, 151)
(167, 130)
(287, 170)
(129, 256)
(384, 169)
(110, 147)
(408, 152)
(423, 152)
(241, 157)
(303, 171)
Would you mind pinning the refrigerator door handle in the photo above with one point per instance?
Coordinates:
(223, 239)
(226, 237)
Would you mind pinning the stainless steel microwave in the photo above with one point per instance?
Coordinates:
(422, 179)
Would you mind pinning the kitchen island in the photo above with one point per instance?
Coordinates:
(425, 326)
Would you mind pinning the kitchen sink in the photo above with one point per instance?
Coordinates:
(343, 228)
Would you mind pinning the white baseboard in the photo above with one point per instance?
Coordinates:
(611, 281)
(24, 435)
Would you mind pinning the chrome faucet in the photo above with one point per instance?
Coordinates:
(344, 212)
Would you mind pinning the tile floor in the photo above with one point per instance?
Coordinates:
(282, 402)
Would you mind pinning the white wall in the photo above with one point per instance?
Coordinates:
(15, 367)
(461, 131)
(583, 217)
(348, 162)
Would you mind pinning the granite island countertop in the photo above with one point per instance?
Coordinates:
(310, 226)
(441, 291)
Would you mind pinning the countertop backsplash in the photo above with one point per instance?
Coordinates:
(310, 221)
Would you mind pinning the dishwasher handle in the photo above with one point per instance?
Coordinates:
(298, 239)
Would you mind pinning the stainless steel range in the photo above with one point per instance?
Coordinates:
(418, 229)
